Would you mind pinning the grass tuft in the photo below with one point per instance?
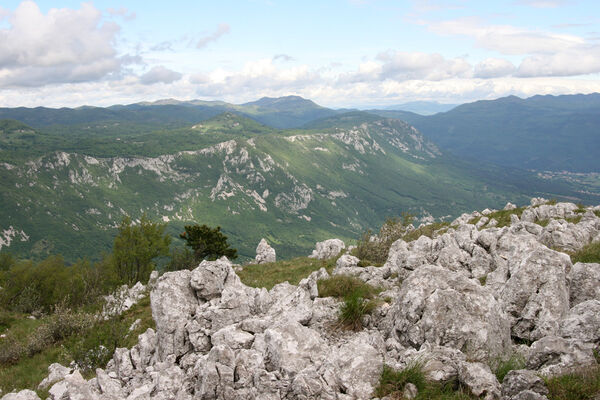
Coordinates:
(584, 385)
(501, 367)
(427, 230)
(587, 254)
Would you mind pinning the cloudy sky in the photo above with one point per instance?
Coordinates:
(339, 53)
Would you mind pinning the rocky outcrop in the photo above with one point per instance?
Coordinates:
(264, 253)
(327, 249)
(453, 303)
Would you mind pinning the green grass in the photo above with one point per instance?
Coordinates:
(584, 385)
(392, 383)
(501, 367)
(588, 254)
(574, 220)
(269, 274)
(29, 371)
(543, 222)
(357, 296)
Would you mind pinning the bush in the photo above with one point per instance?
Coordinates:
(207, 243)
(181, 258)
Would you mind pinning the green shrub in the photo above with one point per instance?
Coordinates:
(181, 258)
(588, 254)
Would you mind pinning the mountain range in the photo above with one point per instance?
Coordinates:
(285, 169)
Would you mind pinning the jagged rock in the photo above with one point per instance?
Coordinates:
(585, 283)
(517, 381)
(568, 236)
(509, 206)
(22, 395)
(208, 279)
(107, 385)
(173, 302)
(538, 201)
(217, 374)
(264, 253)
(232, 337)
(553, 356)
(56, 372)
(327, 249)
(528, 395)
(142, 354)
(359, 363)
(123, 299)
(439, 306)
(531, 283)
(582, 322)
(291, 347)
(72, 387)
(440, 364)
(346, 261)
(410, 391)
(480, 380)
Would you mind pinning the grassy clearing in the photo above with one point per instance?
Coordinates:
(584, 385)
(392, 383)
(588, 254)
(294, 270)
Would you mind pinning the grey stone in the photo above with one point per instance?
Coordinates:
(517, 381)
(553, 356)
(582, 322)
(264, 253)
(585, 282)
(327, 249)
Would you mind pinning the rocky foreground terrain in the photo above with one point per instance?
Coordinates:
(474, 294)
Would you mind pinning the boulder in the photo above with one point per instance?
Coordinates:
(443, 307)
(554, 356)
(480, 380)
(582, 322)
(517, 381)
(56, 372)
(327, 249)
(264, 253)
(22, 395)
(585, 283)
(72, 387)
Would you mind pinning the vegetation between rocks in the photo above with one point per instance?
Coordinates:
(589, 253)
(268, 275)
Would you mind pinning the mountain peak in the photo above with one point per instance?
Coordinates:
(283, 103)
(8, 126)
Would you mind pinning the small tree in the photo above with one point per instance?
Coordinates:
(207, 243)
(136, 246)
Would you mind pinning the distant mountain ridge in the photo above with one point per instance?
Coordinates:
(541, 132)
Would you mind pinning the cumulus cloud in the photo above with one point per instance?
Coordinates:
(221, 30)
(493, 68)
(569, 63)
(64, 45)
(160, 74)
(122, 12)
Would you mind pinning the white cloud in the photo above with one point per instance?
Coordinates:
(62, 46)
(160, 74)
(506, 39)
(569, 63)
(542, 3)
(122, 12)
(221, 30)
(494, 68)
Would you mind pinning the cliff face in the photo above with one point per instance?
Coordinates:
(456, 302)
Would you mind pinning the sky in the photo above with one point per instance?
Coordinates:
(338, 53)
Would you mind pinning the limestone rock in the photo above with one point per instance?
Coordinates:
(72, 387)
(327, 249)
(264, 253)
(582, 322)
(480, 380)
(585, 282)
(517, 381)
(56, 372)
(439, 306)
(22, 395)
(553, 355)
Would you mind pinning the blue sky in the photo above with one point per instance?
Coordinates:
(346, 53)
